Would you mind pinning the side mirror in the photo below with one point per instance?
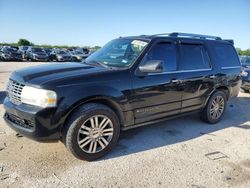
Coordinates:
(152, 66)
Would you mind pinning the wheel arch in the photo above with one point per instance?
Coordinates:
(109, 102)
(225, 89)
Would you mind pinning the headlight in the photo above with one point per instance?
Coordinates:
(38, 97)
(244, 73)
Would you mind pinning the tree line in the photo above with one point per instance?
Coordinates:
(243, 52)
(25, 42)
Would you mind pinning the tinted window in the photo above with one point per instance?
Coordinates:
(120, 52)
(165, 52)
(247, 61)
(193, 56)
(37, 50)
(225, 55)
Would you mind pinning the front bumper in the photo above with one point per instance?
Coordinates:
(11, 58)
(32, 122)
(64, 59)
(41, 58)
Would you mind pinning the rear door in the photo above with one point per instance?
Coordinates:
(197, 74)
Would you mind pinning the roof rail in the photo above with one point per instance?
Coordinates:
(189, 35)
(194, 36)
(229, 40)
(162, 34)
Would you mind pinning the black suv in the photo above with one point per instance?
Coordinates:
(130, 82)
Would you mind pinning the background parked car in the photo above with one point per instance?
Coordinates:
(62, 56)
(245, 74)
(23, 50)
(47, 50)
(10, 54)
(245, 61)
(49, 53)
(83, 50)
(36, 54)
(78, 55)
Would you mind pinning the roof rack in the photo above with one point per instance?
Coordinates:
(189, 35)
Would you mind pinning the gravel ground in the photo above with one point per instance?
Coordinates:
(184, 152)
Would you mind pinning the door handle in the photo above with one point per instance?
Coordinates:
(212, 76)
(176, 81)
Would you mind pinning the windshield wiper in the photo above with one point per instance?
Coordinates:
(98, 63)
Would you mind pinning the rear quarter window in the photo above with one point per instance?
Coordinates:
(225, 55)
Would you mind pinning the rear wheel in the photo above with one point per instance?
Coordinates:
(92, 131)
(215, 108)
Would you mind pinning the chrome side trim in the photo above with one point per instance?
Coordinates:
(234, 67)
(182, 71)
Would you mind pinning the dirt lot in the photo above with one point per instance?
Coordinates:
(178, 153)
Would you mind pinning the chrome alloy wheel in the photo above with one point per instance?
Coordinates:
(95, 134)
(217, 107)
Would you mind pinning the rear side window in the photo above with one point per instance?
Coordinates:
(193, 56)
(225, 55)
(165, 52)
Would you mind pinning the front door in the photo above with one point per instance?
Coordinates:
(157, 95)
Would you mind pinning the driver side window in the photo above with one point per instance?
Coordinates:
(165, 52)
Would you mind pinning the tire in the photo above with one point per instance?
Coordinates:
(215, 108)
(84, 139)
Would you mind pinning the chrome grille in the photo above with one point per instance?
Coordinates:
(14, 90)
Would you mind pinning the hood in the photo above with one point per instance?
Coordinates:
(42, 74)
(13, 53)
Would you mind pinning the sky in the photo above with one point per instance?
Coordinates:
(95, 22)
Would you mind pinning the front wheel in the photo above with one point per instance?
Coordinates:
(92, 131)
(215, 108)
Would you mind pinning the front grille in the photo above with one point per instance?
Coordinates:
(14, 90)
(28, 124)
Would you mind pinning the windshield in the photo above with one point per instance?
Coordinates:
(37, 50)
(10, 50)
(62, 52)
(47, 50)
(245, 60)
(77, 53)
(118, 53)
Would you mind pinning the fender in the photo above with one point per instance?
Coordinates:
(218, 87)
(98, 93)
